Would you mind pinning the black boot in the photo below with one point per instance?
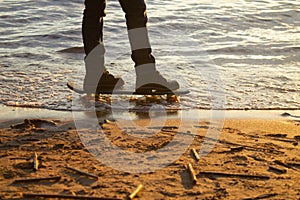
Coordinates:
(97, 78)
(148, 79)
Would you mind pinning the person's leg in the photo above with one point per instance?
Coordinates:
(147, 77)
(96, 78)
(136, 20)
(92, 24)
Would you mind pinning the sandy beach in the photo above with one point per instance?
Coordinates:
(241, 57)
(252, 159)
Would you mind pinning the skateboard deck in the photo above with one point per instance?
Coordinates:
(79, 90)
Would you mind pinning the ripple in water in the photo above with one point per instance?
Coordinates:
(254, 45)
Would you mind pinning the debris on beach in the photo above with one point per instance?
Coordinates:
(135, 192)
(61, 196)
(35, 162)
(195, 154)
(82, 172)
(277, 169)
(236, 149)
(232, 175)
(293, 164)
(192, 173)
(50, 178)
(263, 196)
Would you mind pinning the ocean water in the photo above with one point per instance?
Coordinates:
(230, 54)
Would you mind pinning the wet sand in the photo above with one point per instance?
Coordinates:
(252, 159)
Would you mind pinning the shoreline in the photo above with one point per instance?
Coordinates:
(13, 113)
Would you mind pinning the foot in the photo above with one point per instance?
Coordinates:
(107, 82)
(154, 81)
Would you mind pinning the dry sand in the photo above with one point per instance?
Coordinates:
(265, 148)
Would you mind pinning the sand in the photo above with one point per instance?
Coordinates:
(252, 159)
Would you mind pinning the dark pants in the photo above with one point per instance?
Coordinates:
(92, 25)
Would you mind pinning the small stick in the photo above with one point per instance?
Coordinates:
(235, 175)
(192, 173)
(293, 164)
(38, 179)
(278, 162)
(276, 169)
(236, 149)
(195, 153)
(82, 172)
(137, 190)
(163, 127)
(35, 162)
(250, 147)
(264, 196)
(61, 196)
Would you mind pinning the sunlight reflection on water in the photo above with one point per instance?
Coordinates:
(255, 46)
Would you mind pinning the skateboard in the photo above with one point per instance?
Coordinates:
(79, 90)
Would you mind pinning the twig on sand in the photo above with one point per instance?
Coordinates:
(55, 178)
(223, 174)
(136, 191)
(293, 164)
(61, 196)
(250, 147)
(236, 149)
(278, 162)
(192, 173)
(35, 162)
(82, 172)
(163, 127)
(264, 196)
(195, 154)
(276, 169)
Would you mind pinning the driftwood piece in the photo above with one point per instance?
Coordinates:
(277, 169)
(229, 175)
(236, 149)
(293, 164)
(51, 178)
(135, 192)
(163, 127)
(192, 173)
(263, 196)
(251, 147)
(195, 154)
(35, 162)
(276, 135)
(82, 172)
(288, 140)
(278, 162)
(61, 196)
